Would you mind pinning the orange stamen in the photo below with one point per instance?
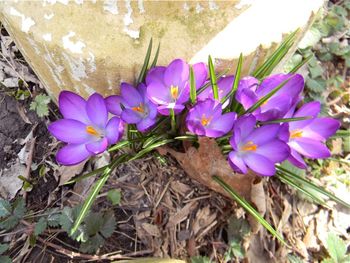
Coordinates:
(91, 130)
(174, 91)
(250, 146)
(139, 108)
(296, 134)
(205, 121)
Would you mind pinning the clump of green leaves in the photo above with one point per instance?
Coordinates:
(238, 228)
(11, 214)
(40, 105)
(327, 40)
(337, 250)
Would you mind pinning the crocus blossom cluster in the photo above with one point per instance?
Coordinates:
(259, 138)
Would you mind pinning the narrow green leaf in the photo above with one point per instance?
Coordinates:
(272, 61)
(186, 138)
(314, 187)
(287, 120)
(299, 65)
(193, 93)
(266, 97)
(150, 148)
(250, 209)
(173, 120)
(94, 192)
(291, 183)
(231, 94)
(154, 62)
(145, 63)
(153, 139)
(213, 82)
(120, 145)
(206, 85)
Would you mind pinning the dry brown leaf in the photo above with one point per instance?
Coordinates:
(204, 218)
(152, 230)
(258, 198)
(310, 239)
(181, 215)
(65, 173)
(180, 188)
(206, 161)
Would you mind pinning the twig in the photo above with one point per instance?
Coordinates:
(29, 162)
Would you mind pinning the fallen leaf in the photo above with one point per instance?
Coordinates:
(9, 181)
(206, 161)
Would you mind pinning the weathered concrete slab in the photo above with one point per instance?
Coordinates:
(88, 46)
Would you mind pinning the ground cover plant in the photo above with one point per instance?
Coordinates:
(183, 136)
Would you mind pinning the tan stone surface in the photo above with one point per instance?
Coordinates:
(88, 46)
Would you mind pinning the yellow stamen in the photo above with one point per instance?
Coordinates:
(250, 146)
(174, 91)
(139, 108)
(205, 121)
(296, 134)
(91, 130)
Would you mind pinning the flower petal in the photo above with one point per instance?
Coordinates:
(259, 164)
(70, 131)
(224, 122)
(155, 74)
(264, 134)
(72, 154)
(112, 130)
(97, 110)
(130, 116)
(245, 125)
(130, 95)
(310, 148)
(73, 106)
(309, 109)
(276, 151)
(195, 127)
(145, 124)
(237, 163)
(98, 146)
(296, 160)
(177, 73)
(113, 104)
(321, 128)
(165, 109)
(275, 108)
(158, 93)
(200, 71)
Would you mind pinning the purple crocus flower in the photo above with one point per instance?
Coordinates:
(308, 137)
(256, 148)
(224, 87)
(138, 109)
(206, 119)
(279, 104)
(85, 127)
(169, 87)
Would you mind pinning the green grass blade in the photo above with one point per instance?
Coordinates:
(235, 83)
(341, 134)
(120, 145)
(272, 61)
(213, 81)
(145, 63)
(94, 192)
(151, 140)
(300, 64)
(193, 91)
(250, 209)
(186, 138)
(206, 85)
(285, 179)
(266, 97)
(155, 59)
(173, 120)
(150, 148)
(287, 120)
(313, 186)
